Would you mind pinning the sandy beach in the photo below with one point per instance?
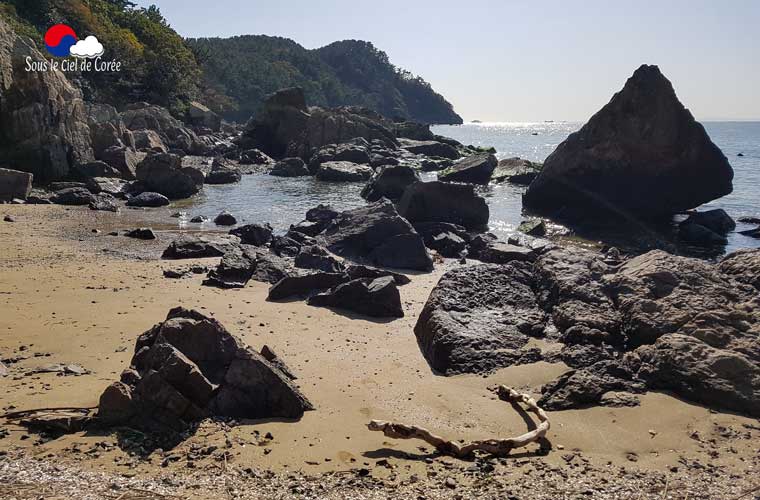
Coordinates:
(71, 293)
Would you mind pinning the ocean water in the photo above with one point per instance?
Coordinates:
(283, 201)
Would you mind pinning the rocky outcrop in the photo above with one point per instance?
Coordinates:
(144, 116)
(194, 247)
(199, 115)
(149, 141)
(107, 129)
(475, 169)
(305, 285)
(164, 173)
(14, 184)
(343, 171)
(431, 148)
(516, 171)
(390, 182)
(254, 234)
(378, 235)
(285, 126)
(235, 269)
(354, 151)
(43, 120)
(371, 297)
(290, 167)
(223, 172)
(641, 156)
(444, 202)
(189, 367)
(148, 199)
(77, 196)
(480, 318)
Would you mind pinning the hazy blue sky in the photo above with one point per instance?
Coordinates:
(505, 60)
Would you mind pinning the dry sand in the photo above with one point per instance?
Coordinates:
(71, 295)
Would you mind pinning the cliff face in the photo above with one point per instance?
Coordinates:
(43, 121)
(351, 72)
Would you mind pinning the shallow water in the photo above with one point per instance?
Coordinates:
(284, 201)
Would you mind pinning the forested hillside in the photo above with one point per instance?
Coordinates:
(247, 68)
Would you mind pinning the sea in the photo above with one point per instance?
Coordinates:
(284, 201)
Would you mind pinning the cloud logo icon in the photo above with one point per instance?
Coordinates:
(59, 39)
(88, 48)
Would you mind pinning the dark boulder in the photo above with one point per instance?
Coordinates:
(356, 272)
(430, 148)
(255, 157)
(14, 184)
(377, 234)
(516, 171)
(533, 227)
(225, 219)
(164, 173)
(124, 160)
(148, 199)
(449, 240)
(641, 156)
(698, 234)
(475, 169)
(290, 167)
(717, 221)
(317, 258)
(73, 196)
(254, 234)
(377, 298)
(480, 318)
(305, 285)
(343, 171)
(98, 169)
(234, 270)
(194, 247)
(586, 387)
(354, 151)
(444, 202)
(190, 367)
(413, 130)
(143, 233)
(104, 202)
(108, 185)
(223, 172)
(389, 182)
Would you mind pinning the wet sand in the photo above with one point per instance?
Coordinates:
(71, 295)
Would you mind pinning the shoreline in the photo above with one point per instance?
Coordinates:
(84, 297)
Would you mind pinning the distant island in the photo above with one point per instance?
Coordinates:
(351, 72)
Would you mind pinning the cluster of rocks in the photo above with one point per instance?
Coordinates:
(189, 367)
(656, 321)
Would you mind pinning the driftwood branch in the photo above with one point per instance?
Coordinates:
(499, 447)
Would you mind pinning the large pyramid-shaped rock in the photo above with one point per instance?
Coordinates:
(190, 367)
(641, 156)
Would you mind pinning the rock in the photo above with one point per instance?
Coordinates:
(378, 235)
(235, 269)
(143, 116)
(357, 272)
(480, 318)
(190, 367)
(199, 115)
(59, 186)
(43, 119)
(322, 213)
(285, 126)
(164, 173)
(752, 233)
(697, 234)
(389, 182)
(148, 199)
(124, 160)
(14, 184)
(199, 219)
(642, 156)
(104, 202)
(99, 169)
(254, 234)
(270, 268)
(619, 399)
(73, 196)
(475, 169)
(354, 151)
(223, 172)
(371, 297)
(143, 233)
(149, 141)
(516, 171)
(533, 227)
(717, 221)
(225, 219)
(444, 202)
(317, 258)
(255, 157)
(430, 148)
(742, 266)
(107, 129)
(343, 171)
(8, 218)
(449, 240)
(586, 387)
(305, 285)
(290, 167)
(413, 130)
(749, 220)
(275, 360)
(108, 185)
(196, 247)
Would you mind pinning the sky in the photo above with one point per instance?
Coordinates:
(521, 60)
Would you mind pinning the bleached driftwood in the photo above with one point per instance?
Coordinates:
(499, 447)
